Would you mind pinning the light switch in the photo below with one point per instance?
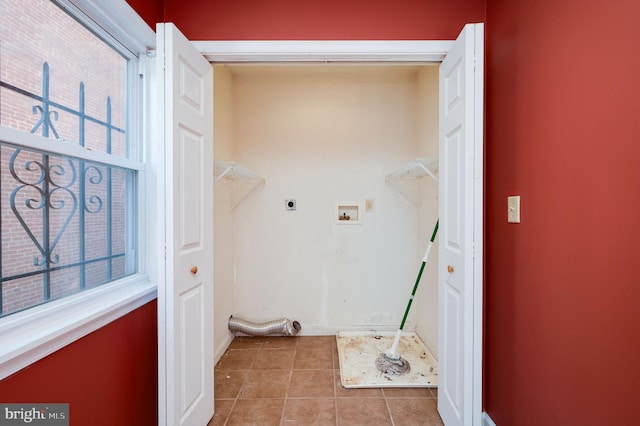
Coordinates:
(513, 204)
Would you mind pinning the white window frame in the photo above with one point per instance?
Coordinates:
(34, 333)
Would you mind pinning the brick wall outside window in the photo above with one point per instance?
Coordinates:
(32, 33)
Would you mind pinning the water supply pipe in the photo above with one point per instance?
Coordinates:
(282, 326)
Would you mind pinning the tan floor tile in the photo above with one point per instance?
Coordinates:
(227, 383)
(311, 383)
(237, 359)
(316, 342)
(342, 392)
(363, 411)
(274, 359)
(414, 411)
(222, 410)
(259, 412)
(265, 384)
(310, 411)
(255, 375)
(316, 359)
(407, 393)
(247, 342)
(279, 342)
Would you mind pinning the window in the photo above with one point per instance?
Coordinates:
(72, 212)
(66, 224)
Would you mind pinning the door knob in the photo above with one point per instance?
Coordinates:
(194, 270)
(450, 269)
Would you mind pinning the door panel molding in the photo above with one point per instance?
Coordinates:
(185, 283)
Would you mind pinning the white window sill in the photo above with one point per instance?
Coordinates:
(37, 332)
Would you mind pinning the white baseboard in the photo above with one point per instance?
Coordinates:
(486, 420)
(323, 330)
(317, 330)
(219, 351)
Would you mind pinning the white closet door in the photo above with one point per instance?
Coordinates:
(460, 284)
(185, 298)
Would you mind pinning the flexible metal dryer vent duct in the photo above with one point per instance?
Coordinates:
(282, 326)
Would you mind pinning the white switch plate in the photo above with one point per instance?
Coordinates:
(368, 204)
(513, 204)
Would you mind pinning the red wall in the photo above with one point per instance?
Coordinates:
(322, 20)
(150, 10)
(563, 287)
(108, 377)
(563, 131)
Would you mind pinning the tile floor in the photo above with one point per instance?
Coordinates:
(296, 381)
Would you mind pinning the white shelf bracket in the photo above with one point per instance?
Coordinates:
(234, 172)
(412, 171)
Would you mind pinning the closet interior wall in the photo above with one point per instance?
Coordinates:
(322, 135)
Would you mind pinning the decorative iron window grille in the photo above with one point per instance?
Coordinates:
(65, 223)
